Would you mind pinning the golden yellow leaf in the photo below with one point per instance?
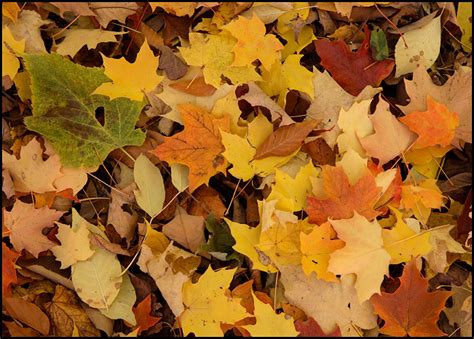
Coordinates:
(10, 62)
(421, 198)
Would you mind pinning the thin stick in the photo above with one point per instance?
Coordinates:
(393, 25)
(69, 24)
(233, 197)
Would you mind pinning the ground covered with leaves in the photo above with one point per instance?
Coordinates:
(238, 168)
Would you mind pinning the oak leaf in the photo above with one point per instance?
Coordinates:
(26, 225)
(411, 309)
(342, 198)
(199, 146)
(351, 69)
(9, 276)
(142, 314)
(435, 126)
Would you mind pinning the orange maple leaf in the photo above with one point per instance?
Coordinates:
(142, 314)
(435, 126)
(8, 269)
(411, 310)
(199, 146)
(342, 199)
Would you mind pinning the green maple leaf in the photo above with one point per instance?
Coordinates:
(64, 111)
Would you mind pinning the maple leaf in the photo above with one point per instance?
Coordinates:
(199, 146)
(252, 43)
(310, 328)
(411, 310)
(75, 39)
(342, 198)
(130, 80)
(9, 276)
(69, 121)
(391, 138)
(207, 306)
(316, 248)
(435, 126)
(421, 198)
(363, 254)
(352, 70)
(26, 225)
(269, 323)
(77, 8)
(175, 8)
(142, 314)
(214, 52)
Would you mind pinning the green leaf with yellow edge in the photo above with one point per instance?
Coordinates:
(246, 240)
(316, 248)
(64, 111)
(403, 242)
(214, 53)
(207, 306)
(270, 324)
(290, 192)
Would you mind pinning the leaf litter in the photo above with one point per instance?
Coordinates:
(236, 168)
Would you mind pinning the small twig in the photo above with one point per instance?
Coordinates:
(393, 25)
(69, 24)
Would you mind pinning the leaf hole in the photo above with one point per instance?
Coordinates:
(100, 115)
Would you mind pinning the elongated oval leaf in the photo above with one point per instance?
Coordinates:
(151, 190)
(64, 111)
(122, 307)
(97, 280)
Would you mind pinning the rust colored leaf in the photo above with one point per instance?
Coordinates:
(199, 146)
(207, 201)
(411, 309)
(285, 140)
(197, 87)
(320, 152)
(342, 199)
(18, 331)
(310, 328)
(142, 314)
(28, 313)
(8, 269)
(353, 70)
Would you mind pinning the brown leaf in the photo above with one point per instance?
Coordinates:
(320, 152)
(152, 140)
(98, 241)
(285, 140)
(197, 87)
(8, 269)
(78, 8)
(108, 11)
(123, 222)
(175, 27)
(207, 201)
(152, 37)
(173, 66)
(66, 312)
(18, 331)
(28, 313)
(187, 230)
(411, 310)
(310, 328)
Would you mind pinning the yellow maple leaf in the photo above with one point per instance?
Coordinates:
(207, 306)
(316, 248)
(131, 80)
(252, 43)
(268, 323)
(421, 199)
(175, 8)
(427, 160)
(402, 242)
(296, 44)
(10, 62)
(290, 192)
(214, 53)
(363, 254)
(199, 146)
(246, 240)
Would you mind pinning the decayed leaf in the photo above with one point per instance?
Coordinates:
(26, 225)
(207, 306)
(268, 323)
(75, 242)
(199, 146)
(442, 242)
(28, 313)
(350, 69)
(285, 140)
(316, 248)
(75, 39)
(331, 304)
(150, 194)
(363, 254)
(9, 276)
(391, 138)
(341, 198)
(66, 314)
(142, 314)
(69, 121)
(28, 28)
(420, 44)
(252, 43)
(97, 280)
(187, 230)
(435, 126)
(455, 94)
(122, 221)
(403, 316)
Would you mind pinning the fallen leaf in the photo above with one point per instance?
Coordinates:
(10, 62)
(26, 226)
(199, 146)
(464, 18)
(175, 8)
(353, 71)
(78, 8)
(9, 276)
(207, 202)
(122, 221)
(310, 328)
(122, 306)
(27, 28)
(16, 330)
(142, 314)
(28, 313)
(421, 198)
(197, 87)
(150, 194)
(187, 230)
(108, 11)
(220, 240)
(75, 39)
(403, 316)
(11, 11)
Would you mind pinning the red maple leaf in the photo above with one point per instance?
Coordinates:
(142, 314)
